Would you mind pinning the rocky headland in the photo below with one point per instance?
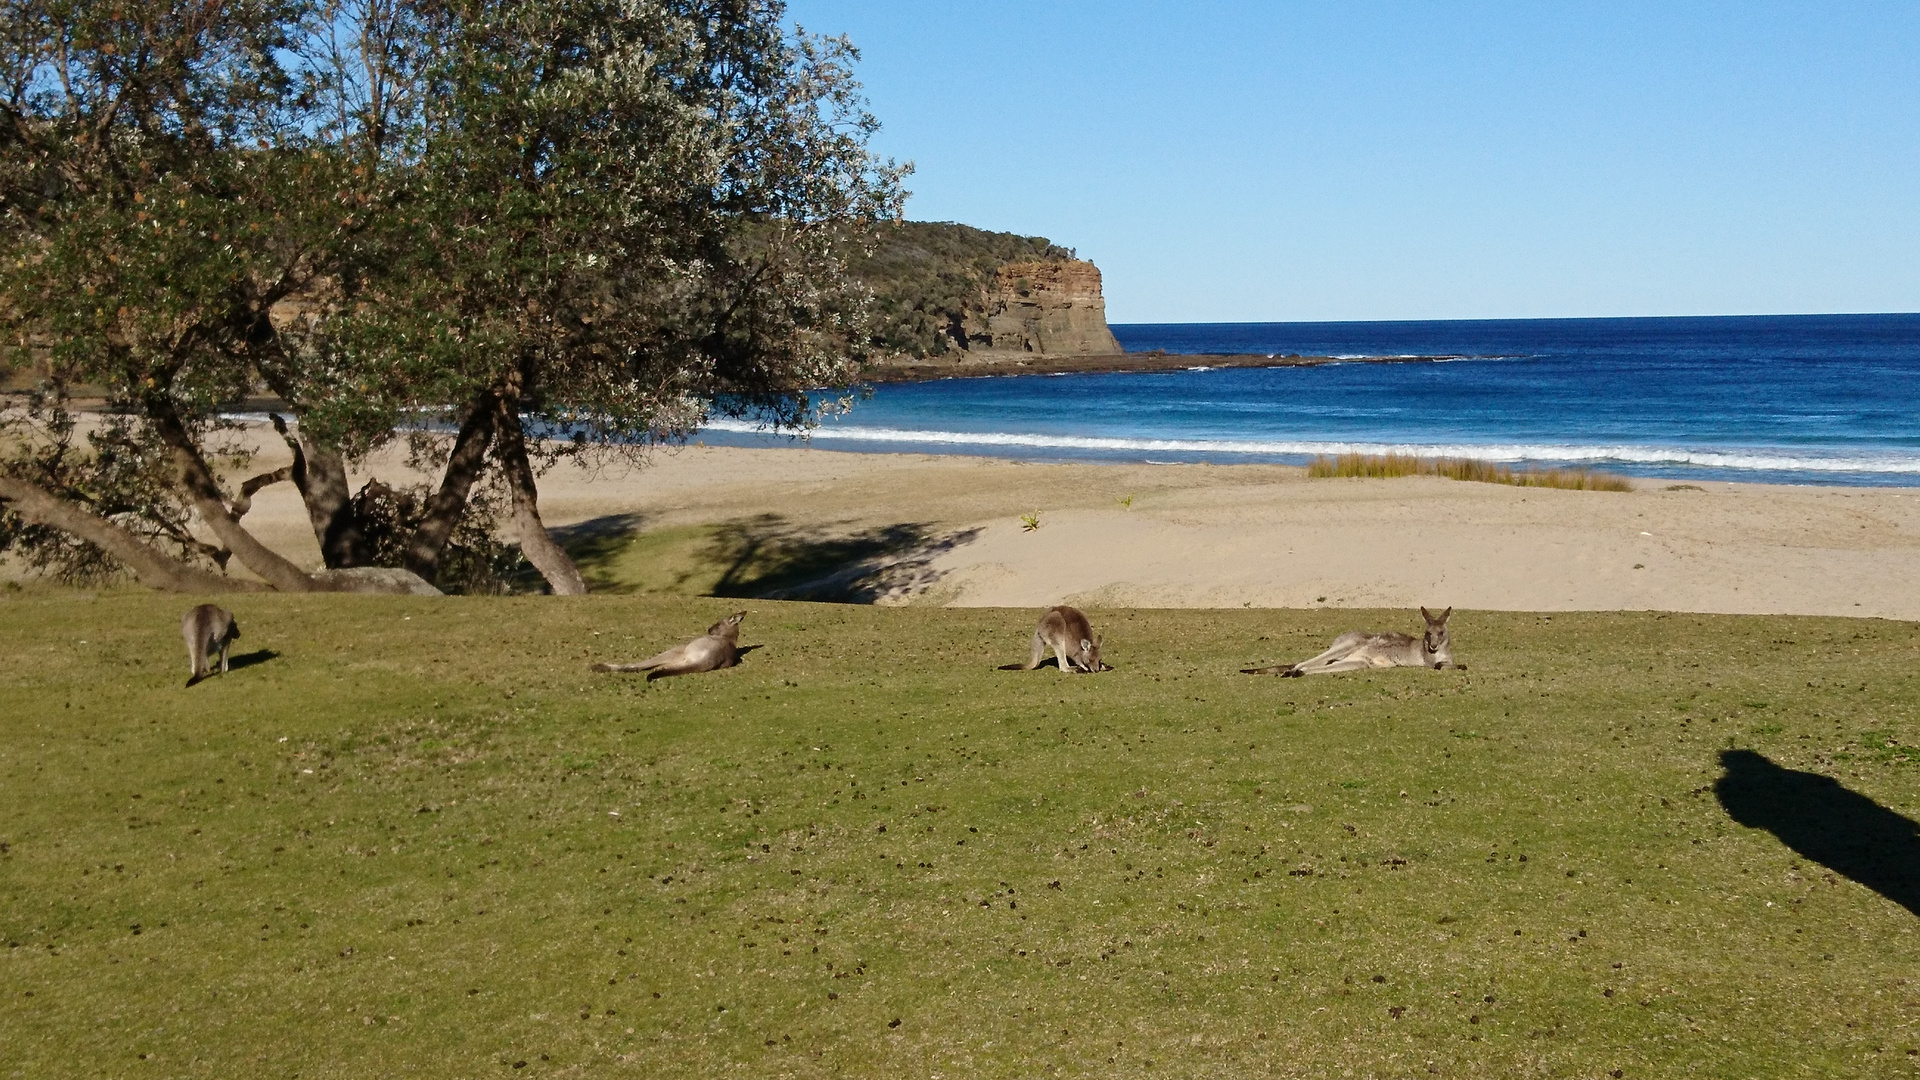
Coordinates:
(955, 301)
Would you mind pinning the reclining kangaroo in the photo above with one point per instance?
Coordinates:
(208, 630)
(720, 648)
(1067, 632)
(1359, 650)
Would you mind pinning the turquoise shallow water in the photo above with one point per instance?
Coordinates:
(1779, 399)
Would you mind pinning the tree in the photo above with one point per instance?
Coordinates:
(592, 219)
(161, 190)
(629, 214)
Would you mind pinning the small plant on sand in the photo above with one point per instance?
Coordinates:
(1030, 522)
(1126, 502)
(1386, 466)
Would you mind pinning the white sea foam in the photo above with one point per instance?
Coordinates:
(1757, 459)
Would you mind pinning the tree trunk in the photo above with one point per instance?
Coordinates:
(464, 466)
(536, 543)
(204, 492)
(153, 569)
(321, 475)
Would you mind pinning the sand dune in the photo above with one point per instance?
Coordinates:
(1263, 536)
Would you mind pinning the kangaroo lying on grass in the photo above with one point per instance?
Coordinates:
(208, 630)
(1358, 650)
(720, 648)
(1067, 632)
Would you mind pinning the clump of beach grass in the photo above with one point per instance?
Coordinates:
(1387, 466)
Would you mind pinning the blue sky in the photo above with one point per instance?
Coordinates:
(1246, 161)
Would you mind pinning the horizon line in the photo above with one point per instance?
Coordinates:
(1522, 318)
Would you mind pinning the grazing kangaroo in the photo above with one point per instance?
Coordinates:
(720, 648)
(208, 629)
(1358, 650)
(1066, 631)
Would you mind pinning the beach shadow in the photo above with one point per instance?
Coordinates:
(1823, 821)
(770, 558)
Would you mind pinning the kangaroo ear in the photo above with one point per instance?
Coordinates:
(1085, 645)
(1446, 614)
(1425, 614)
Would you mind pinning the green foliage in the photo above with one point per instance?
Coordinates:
(930, 278)
(467, 841)
(626, 215)
(476, 560)
(115, 469)
(609, 217)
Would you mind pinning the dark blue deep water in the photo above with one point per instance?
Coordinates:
(1819, 399)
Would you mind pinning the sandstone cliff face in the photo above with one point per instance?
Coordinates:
(946, 293)
(1050, 308)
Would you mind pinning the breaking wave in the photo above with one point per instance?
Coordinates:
(1743, 459)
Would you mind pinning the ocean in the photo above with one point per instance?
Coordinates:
(1803, 399)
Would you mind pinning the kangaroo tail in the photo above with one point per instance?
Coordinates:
(624, 667)
(1276, 669)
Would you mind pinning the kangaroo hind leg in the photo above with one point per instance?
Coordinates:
(1343, 646)
(1342, 663)
(1038, 652)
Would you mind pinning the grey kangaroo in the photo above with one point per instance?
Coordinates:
(208, 629)
(1066, 631)
(720, 648)
(1359, 650)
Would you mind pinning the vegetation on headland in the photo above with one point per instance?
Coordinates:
(467, 224)
(1387, 466)
(928, 278)
(417, 837)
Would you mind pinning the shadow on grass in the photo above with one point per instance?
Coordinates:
(257, 656)
(1823, 821)
(768, 557)
(763, 557)
(598, 540)
(235, 663)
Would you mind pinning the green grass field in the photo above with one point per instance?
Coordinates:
(421, 839)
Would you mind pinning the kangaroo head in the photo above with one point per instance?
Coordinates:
(728, 627)
(1436, 637)
(1089, 656)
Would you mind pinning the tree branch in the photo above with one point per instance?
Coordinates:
(245, 502)
(321, 475)
(198, 484)
(535, 542)
(464, 465)
(151, 567)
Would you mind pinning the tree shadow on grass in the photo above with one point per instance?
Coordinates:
(1823, 821)
(593, 545)
(771, 558)
(768, 557)
(765, 557)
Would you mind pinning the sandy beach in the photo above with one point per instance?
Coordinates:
(1249, 535)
